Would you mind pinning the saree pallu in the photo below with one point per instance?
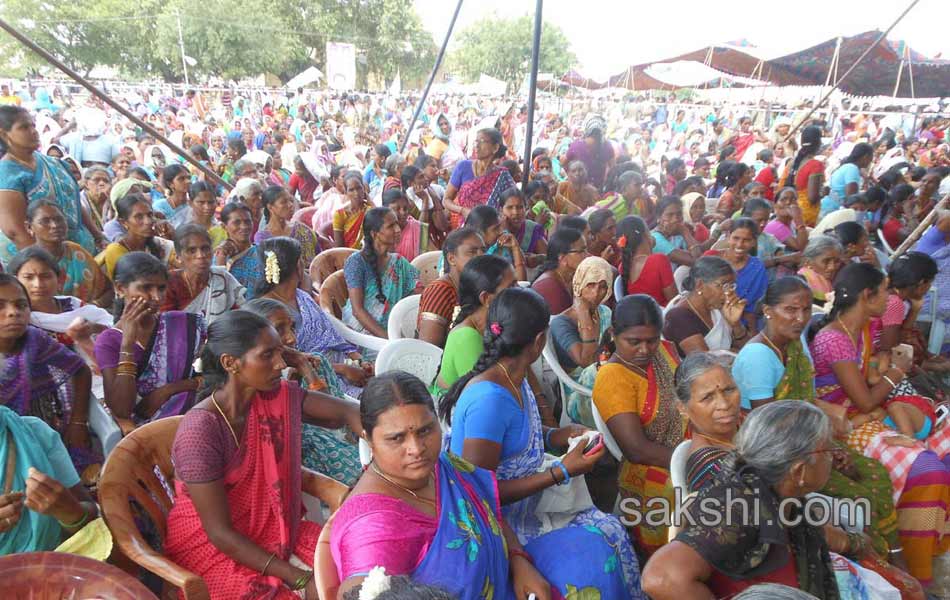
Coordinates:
(486, 189)
(414, 239)
(610, 567)
(84, 279)
(37, 381)
(34, 532)
(351, 225)
(872, 481)
(579, 405)
(819, 284)
(52, 181)
(248, 269)
(662, 425)
(751, 281)
(528, 236)
(309, 243)
(223, 293)
(264, 501)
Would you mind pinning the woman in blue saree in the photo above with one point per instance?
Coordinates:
(752, 278)
(435, 517)
(26, 176)
(376, 277)
(496, 425)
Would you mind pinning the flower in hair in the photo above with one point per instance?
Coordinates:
(271, 267)
(456, 312)
(197, 366)
(376, 582)
(496, 328)
(622, 242)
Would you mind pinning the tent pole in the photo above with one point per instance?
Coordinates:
(532, 92)
(897, 84)
(435, 70)
(921, 228)
(851, 69)
(910, 71)
(45, 55)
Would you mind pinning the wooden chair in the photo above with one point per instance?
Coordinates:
(326, 263)
(129, 474)
(333, 294)
(428, 265)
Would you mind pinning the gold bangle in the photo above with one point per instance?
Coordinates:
(120, 374)
(269, 561)
(889, 380)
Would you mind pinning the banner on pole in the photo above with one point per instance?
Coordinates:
(341, 66)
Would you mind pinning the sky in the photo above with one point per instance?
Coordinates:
(608, 35)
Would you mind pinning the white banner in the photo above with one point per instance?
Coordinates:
(341, 66)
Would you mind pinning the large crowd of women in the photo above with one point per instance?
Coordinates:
(731, 328)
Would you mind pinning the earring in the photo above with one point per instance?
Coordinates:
(768, 316)
(699, 292)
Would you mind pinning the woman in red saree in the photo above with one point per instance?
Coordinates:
(238, 515)
(479, 181)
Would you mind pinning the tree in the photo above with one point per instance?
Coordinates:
(230, 39)
(501, 48)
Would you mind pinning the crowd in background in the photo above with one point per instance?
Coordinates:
(716, 278)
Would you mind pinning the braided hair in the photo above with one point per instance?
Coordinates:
(558, 246)
(452, 243)
(851, 281)
(515, 319)
(632, 230)
(287, 251)
(372, 223)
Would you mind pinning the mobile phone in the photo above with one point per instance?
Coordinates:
(904, 350)
(594, 444)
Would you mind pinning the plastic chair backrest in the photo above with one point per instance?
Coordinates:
(679, 276)
(103, 425)
(428, 265)
(333, 294)
(609, 440)
(327, 263)
(413, 356)
(129, 474)
(566, 381)
(370, 342)
(402, 318)
(619, 292)
(678, 465)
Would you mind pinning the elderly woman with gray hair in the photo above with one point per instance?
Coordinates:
(821, 260)
(782, 451)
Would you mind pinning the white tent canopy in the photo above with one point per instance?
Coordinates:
(311, 75)
(689, 73)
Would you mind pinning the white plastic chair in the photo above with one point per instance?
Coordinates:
(104, 426)
(402, 318)
(413, 356)
(370, 342)
(619, 292)
(564, 380)
(609, 440)
(679, 276)
(678, 465)
(428, 265)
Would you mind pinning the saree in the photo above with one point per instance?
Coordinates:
(167, 358)
(399, 279)
(819, 284)
(579, 405)
(547, 534)
(222, 293)
(751, 281)
(351, 225)
(486, 189)
(872, 481)
(32, 443)
(528, 236)
(461, 550)
(52, 181)
(309, 242)
(920, 480)
(263, 486)
(719, 337)
(37, 381)
(414, 239)
(84, 279)
(621, 390)
(247, 268)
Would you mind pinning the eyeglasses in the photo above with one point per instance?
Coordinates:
(726, 287)
(578, 251)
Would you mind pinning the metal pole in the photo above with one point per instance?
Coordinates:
(921, 228)
(532, 92)
(115, 105)
(848, 72)
(897, 84)
(181, 46)
(910, 71)
(435, 69)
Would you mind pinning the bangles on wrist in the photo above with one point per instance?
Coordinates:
(302, 581)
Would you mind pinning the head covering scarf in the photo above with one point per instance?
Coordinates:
(592, 269)
(595, 122)
(121, 188)
(688, 201)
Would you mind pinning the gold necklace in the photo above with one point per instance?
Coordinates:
(696, 312)
(781, 355)
(854, 342)
(223, 416)
(514, 388)
(630, 365)
(402, 487)
(717, 441)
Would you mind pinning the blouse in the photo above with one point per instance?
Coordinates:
(655, 276)
(681, 323)
(438, 302)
